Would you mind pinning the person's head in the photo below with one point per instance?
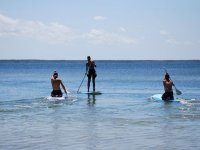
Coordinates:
(167, 76)
(55, 75)
(88, 58)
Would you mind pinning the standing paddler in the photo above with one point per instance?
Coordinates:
(90, 72)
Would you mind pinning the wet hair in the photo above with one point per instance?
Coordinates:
(88, 57)
(55, 74)
(167, 76)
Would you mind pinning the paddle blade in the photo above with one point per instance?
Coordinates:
(178, 92)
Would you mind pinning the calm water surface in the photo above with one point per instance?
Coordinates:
(123, 117)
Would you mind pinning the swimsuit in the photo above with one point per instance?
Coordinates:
(168, 96)
(92, 73)
(56, 93)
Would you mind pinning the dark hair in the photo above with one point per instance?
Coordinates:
(55, 73)
(167, 76)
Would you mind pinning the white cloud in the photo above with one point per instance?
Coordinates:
(101, 36)
(57, 33)
(171, 41)
(7, 25)
(168, 37)
(163, 32)
(52, 32)
(99, 18)
(122, 29)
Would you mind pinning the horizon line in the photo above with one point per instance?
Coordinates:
(100, 60)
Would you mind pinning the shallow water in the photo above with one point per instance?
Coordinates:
(123, 117)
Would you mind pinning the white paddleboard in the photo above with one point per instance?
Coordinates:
(158, 97)
(50, 98)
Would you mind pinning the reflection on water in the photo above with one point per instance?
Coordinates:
(91, 99)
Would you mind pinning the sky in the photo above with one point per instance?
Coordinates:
(103, 29)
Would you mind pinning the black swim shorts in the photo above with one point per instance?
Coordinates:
(56, 93)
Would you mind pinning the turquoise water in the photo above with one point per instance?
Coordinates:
(123, 117)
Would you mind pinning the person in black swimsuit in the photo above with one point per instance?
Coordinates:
(91, 72)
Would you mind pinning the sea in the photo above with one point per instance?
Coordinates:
(123, 117)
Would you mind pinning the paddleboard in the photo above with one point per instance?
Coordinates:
(92, 93)
(50, 98)
(158, 97)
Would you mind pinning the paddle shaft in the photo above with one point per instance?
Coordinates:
(81, 83)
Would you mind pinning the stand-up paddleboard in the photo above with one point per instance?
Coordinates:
(158, 97)
(91, 93)
(50, 98)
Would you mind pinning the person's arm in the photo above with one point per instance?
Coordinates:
(86, 66)
(94, 64)
(164, 85)
(52, 82)
(173, 83)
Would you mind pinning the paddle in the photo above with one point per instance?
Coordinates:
(67, 92)
(178, 92)
(81, 83)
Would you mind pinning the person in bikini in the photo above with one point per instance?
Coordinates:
(56, 82)
(168, 83)
(91, 72)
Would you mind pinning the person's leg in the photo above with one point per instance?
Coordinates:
(167, 96)
(52, 94)
(88, 85)
(56, 93)
(93, 81)
(60, 93)
(171, 96)
(164, 96)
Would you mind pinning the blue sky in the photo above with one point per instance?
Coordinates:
(103, 29)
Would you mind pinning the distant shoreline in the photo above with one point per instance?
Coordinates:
(95, 60)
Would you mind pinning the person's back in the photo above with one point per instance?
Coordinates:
(91, 65)
(167, 83)
(56, 82)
